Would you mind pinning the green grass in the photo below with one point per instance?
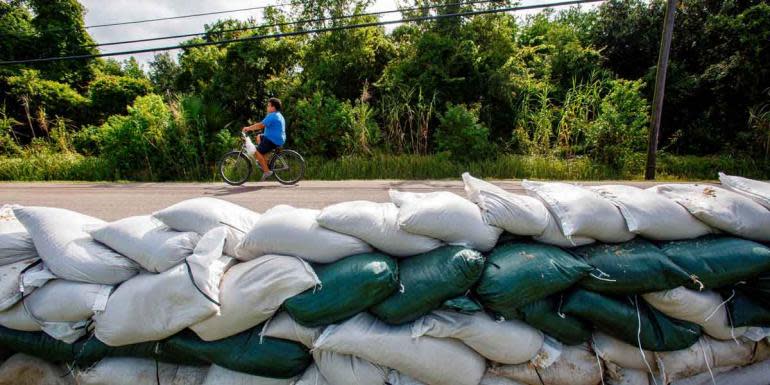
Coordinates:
(47, 166)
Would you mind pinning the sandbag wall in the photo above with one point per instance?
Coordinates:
(564, 285)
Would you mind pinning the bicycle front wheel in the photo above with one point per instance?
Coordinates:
(288, 166)
(235, 168)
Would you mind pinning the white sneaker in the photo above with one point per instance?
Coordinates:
(266, 175)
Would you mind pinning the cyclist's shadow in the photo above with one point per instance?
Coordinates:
(243, 189)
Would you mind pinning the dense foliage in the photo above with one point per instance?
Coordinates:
(569, 84)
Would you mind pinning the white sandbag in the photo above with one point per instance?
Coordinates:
(284, 327)
(10, 282)
(21, 369)
(704, 308)
(651, 215)
(493, 340)
(706, 353)
(312, 376)
(15, 242)
(434, 361)
(515, 213)
(139, 371)
(147, 241)
(251, 292)
(553, 235)
(755, 374)
(397, 378)
(581, 212)
(617, 375)
(377, 225)
(625, 355)
(69, 251)
(577, 365)
(344, 369)
(446, 216)
(151, 307)
(754, 189)
(60, 308)
(201, 215)
(286, 230)
(493, 379)
(218, 375)
(722, 209)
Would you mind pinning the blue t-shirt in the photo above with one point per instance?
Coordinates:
(275, 128)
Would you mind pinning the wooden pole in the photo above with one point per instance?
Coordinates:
(660, 86)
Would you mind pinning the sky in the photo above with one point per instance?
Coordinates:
(101, 12)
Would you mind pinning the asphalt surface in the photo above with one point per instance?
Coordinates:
(111, 201)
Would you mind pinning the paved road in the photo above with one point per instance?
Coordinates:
(111, 201)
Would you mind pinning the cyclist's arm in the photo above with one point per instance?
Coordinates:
(254, 127)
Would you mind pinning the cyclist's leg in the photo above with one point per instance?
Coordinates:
(263, 148)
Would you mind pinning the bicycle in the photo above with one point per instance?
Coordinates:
(236, 166)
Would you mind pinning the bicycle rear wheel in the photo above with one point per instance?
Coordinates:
(288, 166)
(235, 168)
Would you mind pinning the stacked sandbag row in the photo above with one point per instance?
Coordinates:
(389, 292)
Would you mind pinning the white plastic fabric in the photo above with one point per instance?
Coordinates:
(201, 215)
(284, 327)
(151, 307)
(281, 228)
(60, 308)
(617, 375)
(754, 189)
(251, 292)
(722, 209)
(10, 282)
(748, 375)
(69, 251)
(651, 215)
(446, 216)
(377, 225)
(139, 371)
(577, 365)
(493, 379)
(344, 369)
(623, 354)
(147, 242)
(433, 361)
(218, 375)
(15, 242)
(312, 376)
(515, 213)
(493, 340)
(553, 235)
(21, 369)
(397, 378)
(581, 212)
(706, 353)
(704, 308)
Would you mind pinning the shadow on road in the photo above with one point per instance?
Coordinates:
(234, 190)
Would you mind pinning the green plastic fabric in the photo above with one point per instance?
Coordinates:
(85, 351)
(245, 352)
(428, 280)
(463, 304)
(348, 287)
(619, 317)
(518, 274)
(758, 289)
(718, 261)
(746, 311)
(544, 315)
(626, 268)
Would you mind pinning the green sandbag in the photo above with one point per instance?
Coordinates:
(463, 304)
(428, 280)
(746, 311)
(718, 261)
(626, 268)
(758, 289)
(544, 315)
(619, 318)
(245, 352)
(518, 274)
(84, 352)
(348, 287)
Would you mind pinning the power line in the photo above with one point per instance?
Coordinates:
(297, 33)
(331, 18)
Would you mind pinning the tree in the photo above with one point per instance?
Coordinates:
(164, 72)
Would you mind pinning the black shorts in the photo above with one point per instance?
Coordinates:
(265, 145)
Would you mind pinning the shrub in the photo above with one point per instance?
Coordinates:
(461, 135)
(112, 94)
(318, 125)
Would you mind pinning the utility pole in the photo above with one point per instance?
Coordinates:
(660, 86)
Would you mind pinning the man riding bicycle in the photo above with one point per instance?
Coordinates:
(273, 137)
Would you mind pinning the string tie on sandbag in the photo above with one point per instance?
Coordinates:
(639, 339)
(720, 306)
